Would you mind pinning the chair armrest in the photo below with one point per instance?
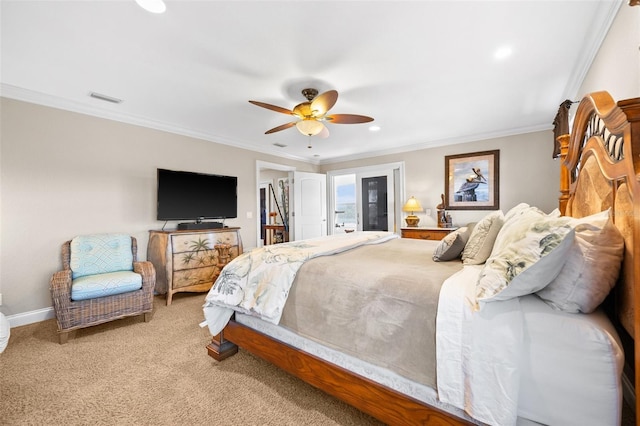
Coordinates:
(60, 286)
(148, 272)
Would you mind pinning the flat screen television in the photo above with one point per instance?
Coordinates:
(196, 196)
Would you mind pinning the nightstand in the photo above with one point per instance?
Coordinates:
(426, 233)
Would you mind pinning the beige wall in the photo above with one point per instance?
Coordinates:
(527, 173)
(65, 174)
(616, 67)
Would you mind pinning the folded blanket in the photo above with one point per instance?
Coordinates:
(258, 282)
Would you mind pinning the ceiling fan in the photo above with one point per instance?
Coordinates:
(313, 114)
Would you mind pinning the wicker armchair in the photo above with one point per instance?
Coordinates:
(74, 314)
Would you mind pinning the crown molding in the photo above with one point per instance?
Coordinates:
(38, 98)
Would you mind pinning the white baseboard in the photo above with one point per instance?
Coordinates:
(30, 317)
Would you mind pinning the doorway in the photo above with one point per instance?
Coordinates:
(268, 179)
(366, 198)
(295, 204)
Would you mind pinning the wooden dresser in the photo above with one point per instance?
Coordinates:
(191, 260)
(426, 233)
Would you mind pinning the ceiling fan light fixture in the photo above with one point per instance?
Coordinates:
(309, 127)
(153, 6)
(313, 113)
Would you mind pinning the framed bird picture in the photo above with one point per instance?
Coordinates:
(472, 181)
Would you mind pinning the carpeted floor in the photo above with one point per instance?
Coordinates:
(129, 372)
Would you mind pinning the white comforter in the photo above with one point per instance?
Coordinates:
(520, 359)
(258, 282)
(478, 352)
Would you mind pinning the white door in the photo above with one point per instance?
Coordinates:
(309, 202)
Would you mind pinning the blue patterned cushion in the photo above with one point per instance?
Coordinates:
(100, 253)
(92, 286)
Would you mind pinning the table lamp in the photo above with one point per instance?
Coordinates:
(412, 205)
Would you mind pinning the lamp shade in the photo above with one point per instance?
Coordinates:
(309, 127)
(412, 205)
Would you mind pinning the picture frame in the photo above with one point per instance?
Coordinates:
(472, 181)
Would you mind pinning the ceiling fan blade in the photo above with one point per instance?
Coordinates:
(283, 127)
(272, 107)
(348, 119)
(323, 102)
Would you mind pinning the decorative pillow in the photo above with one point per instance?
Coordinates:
(516, 211)
(514, 220)
(100, 253)
(482, 237)
(530, 251)
(592, 266)
(451, 246)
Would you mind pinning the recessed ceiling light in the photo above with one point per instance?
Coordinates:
(153, 6)
(374, 128)
(502, 52)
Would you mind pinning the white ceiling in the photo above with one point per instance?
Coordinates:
(425, 70)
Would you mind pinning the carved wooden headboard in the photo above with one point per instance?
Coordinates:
(601, 170)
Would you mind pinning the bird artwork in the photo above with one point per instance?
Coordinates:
(467, 191)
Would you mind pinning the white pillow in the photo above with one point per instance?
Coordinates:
(481, 240)
(528, 254)
(592, 266)
(517, 211)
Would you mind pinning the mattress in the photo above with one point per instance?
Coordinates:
(557, 343)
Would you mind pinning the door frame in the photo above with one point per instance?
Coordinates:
(397, 170)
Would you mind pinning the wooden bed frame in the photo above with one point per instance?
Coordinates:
(604, 130)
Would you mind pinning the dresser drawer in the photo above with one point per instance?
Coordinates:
(435, 234)
(194, 259)
(195, 277)
(182, 243)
